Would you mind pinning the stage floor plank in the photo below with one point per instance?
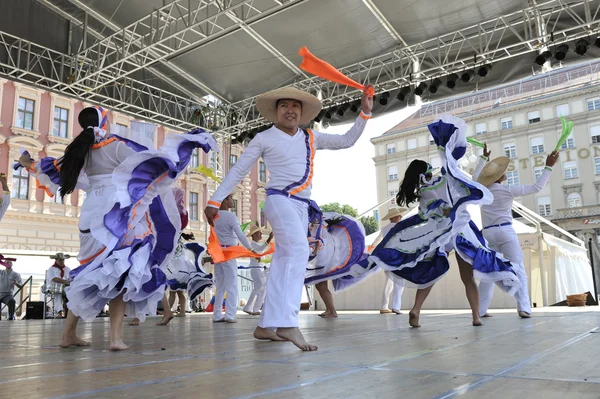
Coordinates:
(555, 354)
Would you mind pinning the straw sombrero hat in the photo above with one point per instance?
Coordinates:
(394, 212)
(60, 255)
(254, 229)
(267, 103)
(493, 171)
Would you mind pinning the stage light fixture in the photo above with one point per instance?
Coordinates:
(403, 93)
(561, 52)
(542, 58)
(597, 42)
(355, 106)
(467, 76)
(330, 112)
(484, 70)
(319, 117)
(434, 85)
(342, 109)
(383, 99)
(581, 46)
(420, 89)
(451, 81)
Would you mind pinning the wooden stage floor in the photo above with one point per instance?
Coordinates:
(556, 354)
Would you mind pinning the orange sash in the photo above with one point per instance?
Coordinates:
(219, 254)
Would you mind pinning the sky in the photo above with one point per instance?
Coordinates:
(348, 176)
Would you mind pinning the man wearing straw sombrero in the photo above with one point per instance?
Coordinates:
(258, 272)
(59, 274)
(497, 223)
(394, 215)
(289, 154)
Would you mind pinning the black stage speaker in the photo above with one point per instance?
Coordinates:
(35, 310)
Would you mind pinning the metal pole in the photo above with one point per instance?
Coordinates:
(593, 271)
(542, 269)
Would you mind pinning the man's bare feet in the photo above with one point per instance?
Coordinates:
(165, 320)
(294, 335)
(487, 315)
(413, 319)
(477, 322)
(134, 322)
(328, 315)
(118, 345)
(67, 342)
(268, 334)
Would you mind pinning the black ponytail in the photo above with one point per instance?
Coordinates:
(409, 188)
(188, 237)
(77, 152)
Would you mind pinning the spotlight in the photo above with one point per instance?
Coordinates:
(434, 85)
(543, 57)
(484, 70)
(383, 99)
(403, 93)
(467, 76)
(342, 108)
(420, 89)
(597, 42)
(581, 46)
(319, 117)
(451, 81)
(561, 52)
(355, 106)
(329, 113)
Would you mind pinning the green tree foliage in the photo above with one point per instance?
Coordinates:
(371, 225)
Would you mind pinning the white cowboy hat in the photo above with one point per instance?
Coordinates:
(254, 229)
(60, 255)
(266, 104)
(493, 171)
(394, 212)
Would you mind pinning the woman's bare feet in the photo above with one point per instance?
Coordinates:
(413, 318)
(329, 315)
(477, 322)
(134, 322)
(165, 320)
(487, 315)
(67, 342)
(118, 345)
(294, 335)
(267, 334)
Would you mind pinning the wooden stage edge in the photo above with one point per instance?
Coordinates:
(555, 354)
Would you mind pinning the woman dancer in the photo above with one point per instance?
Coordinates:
(129, 222)
(342, 245)
(416, 249)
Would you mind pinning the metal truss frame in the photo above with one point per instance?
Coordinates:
(487, 42)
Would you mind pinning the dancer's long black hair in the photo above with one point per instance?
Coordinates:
(188, 237)
(77, 151)
(409, 188)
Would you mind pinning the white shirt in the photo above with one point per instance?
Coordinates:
(384, 230)
(287, 158)
(7, 281)
(54, 272)
(500, 211)
(227, 228)
(258, 247)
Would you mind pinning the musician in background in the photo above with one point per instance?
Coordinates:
(57, 278)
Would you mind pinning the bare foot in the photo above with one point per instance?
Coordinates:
(73, 341)
(294, 335)
(265, 333)
(477, 322)
(487, 315)
(118, 345)
(323, 314)
(165, 320)
(413, 319)
(329, 315)
(180, 314)
(134, 322)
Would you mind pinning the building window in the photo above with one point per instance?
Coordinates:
(534, 117)
(391, 148)
(595, 133)
(234, 210)
(193, 210)
(506, 123)
(597, 165)
(537, 145)
(574, 200)
(512, 178)
(544, 206)
(392, 172)
(510, 150)
(562, 110)
(195, 159)
(25, 112)
(480, 128)
(569, 142)
(411, 144)
(20, 187)
(392, 194)
(262, 172)
(232, 160)
(570, 169)
(537, 172)
(593, 104)
(61, 122)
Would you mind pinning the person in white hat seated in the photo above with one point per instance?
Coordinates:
(228, 230)
(58, 275)
(394, 215)
(288, 153)
(497, 223)
(258, 271)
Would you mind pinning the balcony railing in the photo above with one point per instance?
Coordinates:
(579, 212)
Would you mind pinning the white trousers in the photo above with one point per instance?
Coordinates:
(289, 221)
(387, 290)
(226, 281)
(504, 240)
(259, 290)
(58, 303)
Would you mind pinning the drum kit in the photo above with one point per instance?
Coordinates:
(53, 290)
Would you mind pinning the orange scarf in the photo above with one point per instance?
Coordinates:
(320, 68)
(219, 254)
